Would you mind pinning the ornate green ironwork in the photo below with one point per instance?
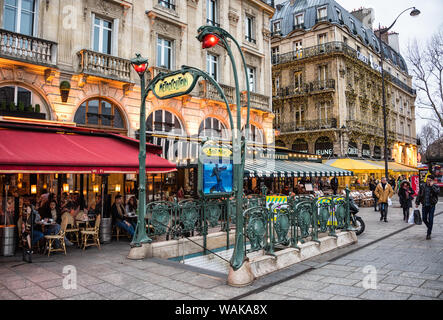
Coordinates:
(256, 227)
(213, 212)
(282, 223)
(189, 214)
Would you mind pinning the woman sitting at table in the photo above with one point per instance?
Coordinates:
(131, 206)
(119, 216)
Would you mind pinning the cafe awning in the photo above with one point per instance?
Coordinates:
(23, 150)
(357, 166)
(394, 166)
(281, 168)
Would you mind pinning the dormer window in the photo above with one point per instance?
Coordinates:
(299, 19)
(353, 26)
(322, 13)
(277, 26)
(339, 15)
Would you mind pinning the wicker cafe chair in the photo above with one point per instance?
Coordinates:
(92, 234)
(60, 237)
(73, 231)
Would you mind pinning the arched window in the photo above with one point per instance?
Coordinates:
(100, 113)
(256, 134)
(300, 145)
(213, 128)
(16, 95)
(280, 143)
(162, 121)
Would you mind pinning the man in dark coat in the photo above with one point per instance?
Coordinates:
(428, 198)
(334, 184)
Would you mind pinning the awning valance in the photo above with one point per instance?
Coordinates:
(281, 168)
(354, 165)
(40, 151)
(394, 166)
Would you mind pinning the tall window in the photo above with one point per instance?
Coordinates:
(298, 49)
(249, 29)
(252, 78)
(353, 26)
(164, 53)
(99, 113)
(322, 73)
(339, 15)
(19, 16)
(298, 81)
(299, 19)
(167, 4)
(323, 112)
(102, 35)
(275, 51)
(211, 12)
(322, 38)
(351, 110)
(213, 128)
(299, 113)
(16, 95)
(212, 65)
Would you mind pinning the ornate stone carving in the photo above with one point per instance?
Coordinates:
(233, 16)
(49, 75)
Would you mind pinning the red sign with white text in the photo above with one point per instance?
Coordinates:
(415, 184)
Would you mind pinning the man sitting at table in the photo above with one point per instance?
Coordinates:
(119, 216)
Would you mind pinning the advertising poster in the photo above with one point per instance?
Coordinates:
(217, 178)
(415, 184)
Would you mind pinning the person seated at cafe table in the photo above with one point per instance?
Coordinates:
(119, 216)
(131, 206)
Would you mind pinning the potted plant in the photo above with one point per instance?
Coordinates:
(21, 107)
(37, 108)
(29, 108)
(3, 106)
(11, 106)
(65, 87)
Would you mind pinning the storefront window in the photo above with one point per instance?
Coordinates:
(324, 147)
(16, 95)
(300, 145)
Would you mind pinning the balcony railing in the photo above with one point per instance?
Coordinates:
(334, 47)
(258, 101)
(26, 48)
(104, 65)
(321, 19)
(365, 128)
(208, 91)
(308, 125)
(312, 87)
(299, 26)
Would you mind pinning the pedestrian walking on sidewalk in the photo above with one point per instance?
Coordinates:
(406, 195)
(372, 185)
(384, 192)
(428, 198)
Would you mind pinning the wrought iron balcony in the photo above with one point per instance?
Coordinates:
(307, 125)
(312, 87)
(321, 19)
(104, 65)
(298, 26)
(26, 48)
(335, 47)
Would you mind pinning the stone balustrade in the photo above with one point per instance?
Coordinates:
(26, 48)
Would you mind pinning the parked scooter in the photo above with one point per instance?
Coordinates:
(356, 221)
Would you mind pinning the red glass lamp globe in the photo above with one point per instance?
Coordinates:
(209, 41)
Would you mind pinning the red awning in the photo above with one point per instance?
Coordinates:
(27, 151)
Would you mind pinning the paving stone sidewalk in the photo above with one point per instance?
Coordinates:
(408, 267)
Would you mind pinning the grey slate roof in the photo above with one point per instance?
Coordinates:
(309, 8)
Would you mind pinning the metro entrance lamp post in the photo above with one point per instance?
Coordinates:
(210, 36)
(414, 12)
(140, 65)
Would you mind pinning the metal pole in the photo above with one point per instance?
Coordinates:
(140, 235)
(385, 129)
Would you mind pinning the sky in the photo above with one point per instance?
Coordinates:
(410, 28)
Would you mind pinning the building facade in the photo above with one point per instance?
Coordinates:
(69, 61)
(327, 85)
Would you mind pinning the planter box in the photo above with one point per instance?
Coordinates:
(19, 114)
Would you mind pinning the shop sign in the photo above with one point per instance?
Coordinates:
(217, 152)
(366, 151)
(174, 85)
(352, 149)
(324, 152)
(415, 184)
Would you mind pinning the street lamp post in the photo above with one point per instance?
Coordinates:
(414, 12)
(210, 36)
(140, 66)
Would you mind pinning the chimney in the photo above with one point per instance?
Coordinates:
(394, 41)
(384, 36)
(365, 15)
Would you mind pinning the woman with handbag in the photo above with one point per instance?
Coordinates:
(406, 195)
